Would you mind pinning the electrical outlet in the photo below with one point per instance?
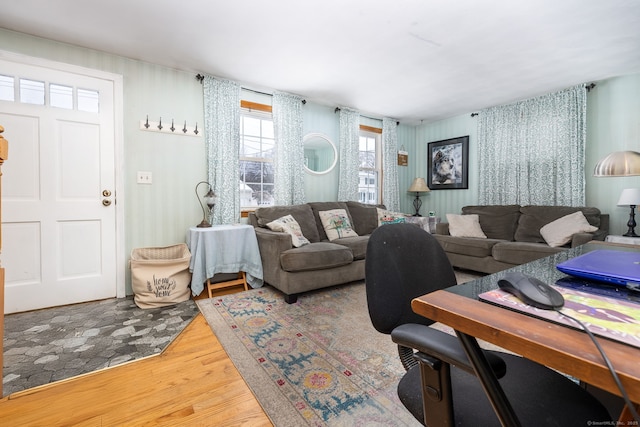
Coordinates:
(145, 177)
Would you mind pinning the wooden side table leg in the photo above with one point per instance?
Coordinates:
(209, 288)
(242, 275)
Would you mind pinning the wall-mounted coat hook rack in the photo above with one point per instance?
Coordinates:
(159, 127)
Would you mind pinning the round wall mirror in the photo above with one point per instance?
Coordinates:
(320, 153)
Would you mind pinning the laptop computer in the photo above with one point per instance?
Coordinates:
(615, 267)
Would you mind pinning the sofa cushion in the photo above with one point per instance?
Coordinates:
(559, 232)
(465, 226)
(533, 218)
(358, 245)
(337, 224)
(301, 213)
(317, 207)
(315, 256)
(471, 246)
(497, 222)
(521, 252)
(364, 216)
(287, 224)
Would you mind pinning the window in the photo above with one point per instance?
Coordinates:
(370, 185)
(257, 144)
(54, 95)
(61, 96)
(6, 88)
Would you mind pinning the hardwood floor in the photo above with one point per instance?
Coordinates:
(193, 382)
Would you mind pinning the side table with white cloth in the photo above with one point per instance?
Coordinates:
(223, 249)
(623, 239)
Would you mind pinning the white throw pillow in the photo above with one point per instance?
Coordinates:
(288, 224)
(336, 224)
(559, 232)
(465, 226)
(389, 217)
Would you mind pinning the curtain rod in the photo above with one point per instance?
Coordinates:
(366, 117)
(588, 87)
(200, 78)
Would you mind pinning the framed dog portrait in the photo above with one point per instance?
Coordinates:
(448, 167)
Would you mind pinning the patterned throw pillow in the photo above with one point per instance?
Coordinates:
(389, 217)
(288, 224)
(336, 224)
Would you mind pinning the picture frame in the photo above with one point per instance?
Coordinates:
(448, 164)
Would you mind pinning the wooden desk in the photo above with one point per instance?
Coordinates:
(556, 346)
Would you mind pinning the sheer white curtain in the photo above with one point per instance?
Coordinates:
(390, 191)
(289, 156)
(222, 145)
(349, 154)
(533, 151)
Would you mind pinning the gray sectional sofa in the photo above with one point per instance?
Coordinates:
(513, 235)
(321, 263)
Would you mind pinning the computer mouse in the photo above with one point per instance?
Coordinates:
(531, 291)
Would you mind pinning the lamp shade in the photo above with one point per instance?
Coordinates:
(418, 186)
(629, 197)
(619, 163)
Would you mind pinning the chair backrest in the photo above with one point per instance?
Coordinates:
(403, 262)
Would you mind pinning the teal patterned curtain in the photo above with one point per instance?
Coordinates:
(289, 156)
(533, 152)
(390, 192)
(222, 145)
(349, 154)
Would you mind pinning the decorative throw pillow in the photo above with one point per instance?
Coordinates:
(559, 232)
(336, 224)
(388, 217)
(288, 224)
(465, 226)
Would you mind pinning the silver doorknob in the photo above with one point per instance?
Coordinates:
(106, 193)
(106, 202)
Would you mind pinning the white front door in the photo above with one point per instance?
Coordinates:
(58, 195)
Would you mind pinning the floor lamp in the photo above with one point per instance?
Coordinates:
(418, 186)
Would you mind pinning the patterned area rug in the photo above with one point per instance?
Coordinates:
(317, 362)
(49, 345)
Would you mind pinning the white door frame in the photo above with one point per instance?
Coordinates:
(118, 118)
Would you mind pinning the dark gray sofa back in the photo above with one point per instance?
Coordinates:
(533, 218)
(301, 213)
(497, 222)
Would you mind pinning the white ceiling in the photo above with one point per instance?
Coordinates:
(411, 60)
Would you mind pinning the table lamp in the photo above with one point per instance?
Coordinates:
(210, 200)
(630, 197)
(418, 186)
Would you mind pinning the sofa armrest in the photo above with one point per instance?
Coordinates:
(442, 228)
(272, 243)
(580, 239)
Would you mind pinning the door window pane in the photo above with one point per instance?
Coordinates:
(7, 92)
(89, 100)
(31, 92)
(61, 96)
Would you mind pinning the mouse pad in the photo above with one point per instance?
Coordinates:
(607, 317)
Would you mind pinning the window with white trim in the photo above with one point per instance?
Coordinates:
(257, 145)
(370, 183)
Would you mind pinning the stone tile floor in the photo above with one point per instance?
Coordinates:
(49, 345)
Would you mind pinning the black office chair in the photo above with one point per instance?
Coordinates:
(403, 262)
